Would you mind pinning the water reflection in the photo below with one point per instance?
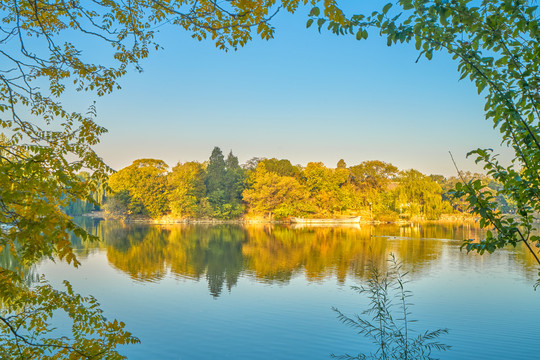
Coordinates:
(274, 254)
(10, 264)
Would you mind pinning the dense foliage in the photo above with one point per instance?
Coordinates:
(275, 189)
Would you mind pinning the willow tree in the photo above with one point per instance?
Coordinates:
(495, 44)
(45, 145)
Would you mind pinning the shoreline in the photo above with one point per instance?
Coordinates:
(244, 221)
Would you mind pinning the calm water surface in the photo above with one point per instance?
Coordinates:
(266, 292)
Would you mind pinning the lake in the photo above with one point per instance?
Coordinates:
(267, 292)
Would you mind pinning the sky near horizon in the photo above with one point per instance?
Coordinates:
(302, 96)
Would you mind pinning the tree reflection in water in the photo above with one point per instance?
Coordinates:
(271, 254)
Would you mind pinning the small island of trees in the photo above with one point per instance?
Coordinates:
(274, 189)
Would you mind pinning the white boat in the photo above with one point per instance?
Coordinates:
(352, 220)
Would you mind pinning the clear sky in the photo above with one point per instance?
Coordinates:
(303, 96)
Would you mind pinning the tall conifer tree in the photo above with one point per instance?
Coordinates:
(215, 176)
(234, 177)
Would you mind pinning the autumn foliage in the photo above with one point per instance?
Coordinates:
(275, 189)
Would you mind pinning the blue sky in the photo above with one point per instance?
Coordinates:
(303, 96)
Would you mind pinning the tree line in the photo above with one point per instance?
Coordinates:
(273, 188)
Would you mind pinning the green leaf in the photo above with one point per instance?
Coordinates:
(443, 15)
(407, 4)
